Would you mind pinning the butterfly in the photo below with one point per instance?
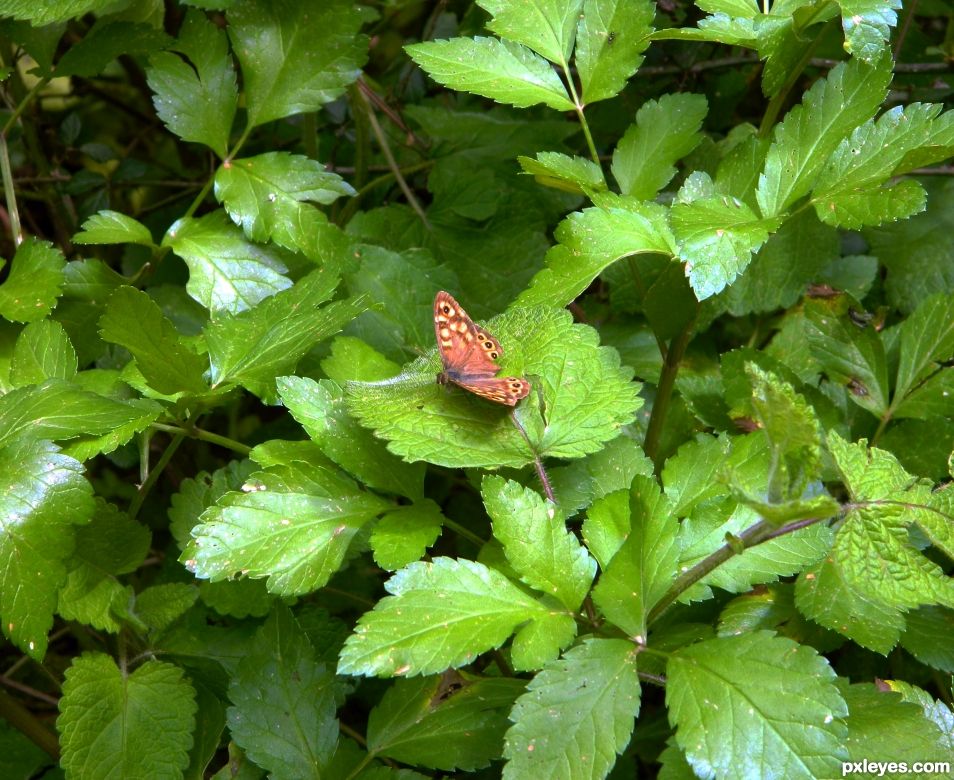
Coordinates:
(469, 355)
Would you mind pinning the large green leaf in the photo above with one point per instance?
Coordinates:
(610, 40)
(42, 351)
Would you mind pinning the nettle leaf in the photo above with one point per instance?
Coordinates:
(227, 272)
(116, 723)
(320, 408)
(577, 714)
(42, 495)
(546, 26)
(283, 702)
(500, 70)
(850, 354)
(402, 535)
(643, 568)
(717, 236)
(106, 41)
(61, 410)
(665, 131)
(449, 722)
(586, 398)
(292, 524)
(252, 348)
(811, 131)
(159, 606)
(112, 227)
(134, 321)
(269, 196)
(111, 544)
(740, 704)
(441, 614)
(562, 172)
(295, 57)
(593, 239)
(34, 282)
(196, 98)
(42, 351)
(536, 542)
(867, 25)
(351, 359)
(610, 40)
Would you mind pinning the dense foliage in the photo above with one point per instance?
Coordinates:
(245, 533)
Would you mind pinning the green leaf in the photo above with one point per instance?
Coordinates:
(874, 206)
(577, 714)
(811, 131)
(927, 338)
(402, 536)
(586, 397)
(562, 172)
(453, 721)
(610, 40)
(690, 475)
(440, 614)
(850, 354)
(60, 410)
(42, 495)
(196, 97)
(353, 360)
(717, 236)
(42, 351)
(644, 567)
(295, 57)
(593, 239)
(161, 605)
(665, 131)
(254, 347)
(106, 41)
(292, 524)
(320, 408)
(111, 544)
(134, 321)
(928, 637)
(269, 196)
(535, 540)
(34, 282)
(607, 526)
(227, 272)
(283, 702)
(500, 70)
(742, 703)
(58, 12)
(867, 25)
(112, 227)
(546, 26)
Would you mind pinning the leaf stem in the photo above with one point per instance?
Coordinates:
(25, 722)
(460, 530)
(136, 504)
(8, 191)
(537, 463)
(578, 107)
(212, 438)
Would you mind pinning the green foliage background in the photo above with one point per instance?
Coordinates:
(245, 534)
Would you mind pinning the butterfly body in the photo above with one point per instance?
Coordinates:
(469, 354)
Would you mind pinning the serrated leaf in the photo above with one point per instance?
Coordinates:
(270, 197)
(106, 41)
(116, 723)
(161, 605)
(586, 398)
(34, 282)
(535, 540)
(58, 12)
(283, 702)
(577, 714)
(610, 40)
(593, 239)
(42, 495)
(876, 206)
(402, 535)
(292, 524)
(227, 272)
(927, 338)
(112, 227)
(607, 526)
(134, 321)
(546, 26)
(540, 642)
(500, 70)
(441, 614)
(689, 476)
(320, 408)
(449, 722)
(196, 98)
(352, 359)
(254, 347)
(295, 57)
(665, 131)
(562, 172)
(867, 25)
(644, 567)
(742, 703)
(811, 131)
(42, 351)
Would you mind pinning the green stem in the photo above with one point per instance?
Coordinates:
(137, 502)
(24, 721)
(212, 438)
(460, 530)
(8, 192)
(578, 107)
(348, 211)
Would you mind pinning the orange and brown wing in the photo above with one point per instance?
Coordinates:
(465, 349)
(504, 390)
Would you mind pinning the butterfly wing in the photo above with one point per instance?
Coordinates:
(466, 350)
(504, 390)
